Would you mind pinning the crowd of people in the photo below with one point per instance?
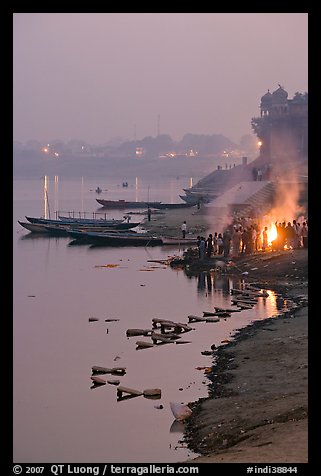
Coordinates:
(248, 237)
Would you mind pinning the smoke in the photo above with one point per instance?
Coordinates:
(289, 180)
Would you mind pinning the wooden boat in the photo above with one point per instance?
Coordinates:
(125, 204)
(83, 233)
(173, 206)
(77, 221)
(171, 240)
(121, 238)
(43, 228)
(63, 229)
(91, 225)
(90, 221)
(222, 309)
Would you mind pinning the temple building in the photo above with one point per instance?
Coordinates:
(282, 127)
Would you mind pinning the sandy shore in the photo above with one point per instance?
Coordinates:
(258, 404)
(169, 222)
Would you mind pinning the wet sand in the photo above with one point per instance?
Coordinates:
(257, 411)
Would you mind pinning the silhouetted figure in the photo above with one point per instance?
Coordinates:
(184, 229)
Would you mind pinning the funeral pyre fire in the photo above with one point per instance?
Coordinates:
(286, 217)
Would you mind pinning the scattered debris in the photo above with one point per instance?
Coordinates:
(152, 392)
(143, 344)
(196, 319)
(130, 391)
(107, 266)
(180, 411)
(100, 370)
(98, 380)
(138, 332)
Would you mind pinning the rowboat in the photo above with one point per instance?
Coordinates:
(86, 223)
(125, 204)
(53, 229)
(77, 221)
(171, 240)
(119, 238)
(62, 229)
(173, 206)
(83, 233)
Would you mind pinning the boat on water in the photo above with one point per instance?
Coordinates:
(172, 240)
(77, 221)
(53, 229)
(126, 204)
(173, 206)
(60, 228)
(118, 238)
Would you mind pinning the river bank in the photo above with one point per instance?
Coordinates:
(258, 406)
(258, 392)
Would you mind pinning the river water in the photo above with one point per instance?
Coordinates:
(58, 416)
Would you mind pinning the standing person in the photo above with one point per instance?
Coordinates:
(304, 234)
(198, 245)
(202, 247)
(259, 175)
(209, 245)
(236, 240)
(220, 243)
(149, 212)
(290, 235)
(184, 229)
(297, 240)
(264, 238)
(215, 245)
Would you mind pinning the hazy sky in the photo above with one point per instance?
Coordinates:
(95, 76)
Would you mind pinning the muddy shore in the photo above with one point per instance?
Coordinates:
(257, 410)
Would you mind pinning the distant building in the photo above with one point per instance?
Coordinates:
(282, 128)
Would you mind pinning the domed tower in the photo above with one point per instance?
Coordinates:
(279, 102)
(266, 104)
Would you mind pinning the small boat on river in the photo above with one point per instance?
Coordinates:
(123, 204)
(61, 228)
(118, 238)
(173, 206)
(172, 240)
(76, 221)
(43, 228)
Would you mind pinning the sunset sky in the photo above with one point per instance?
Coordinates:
(96, 76)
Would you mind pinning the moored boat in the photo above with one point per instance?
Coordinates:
(172, 240)
(123, 204)
(58, 228)
(173, 206)
(121, 239)
(76, 221)
(53, 229)
(85, 223)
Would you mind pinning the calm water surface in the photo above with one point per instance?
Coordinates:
(58, 416)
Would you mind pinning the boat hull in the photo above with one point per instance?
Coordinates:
(174, 206)
(121, 239)
(123, 204)
(179, 241)
(63, 229)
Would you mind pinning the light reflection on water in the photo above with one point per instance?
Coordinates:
(57, 415)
